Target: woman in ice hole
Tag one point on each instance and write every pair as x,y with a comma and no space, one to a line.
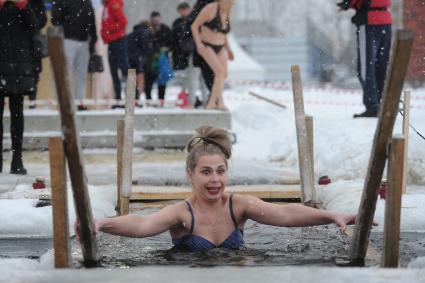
209,31
212,218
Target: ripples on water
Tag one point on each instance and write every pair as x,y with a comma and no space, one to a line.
264,246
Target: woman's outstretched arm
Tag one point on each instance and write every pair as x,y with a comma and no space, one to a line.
291,215
138,226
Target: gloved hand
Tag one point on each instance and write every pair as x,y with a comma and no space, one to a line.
344,5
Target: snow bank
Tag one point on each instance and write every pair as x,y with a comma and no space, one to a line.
342,145
20,217
344,196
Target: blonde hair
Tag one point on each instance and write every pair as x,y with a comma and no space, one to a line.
208,140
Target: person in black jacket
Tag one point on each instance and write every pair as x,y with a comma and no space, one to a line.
138,48
18,25
40,13
78,21
160,39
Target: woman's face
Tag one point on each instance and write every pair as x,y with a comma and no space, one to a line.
209,178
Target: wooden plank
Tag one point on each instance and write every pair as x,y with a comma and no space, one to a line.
120,143
304,158
61,243
391,251
387,115
260,191
267,100
406,122
127,158
72,146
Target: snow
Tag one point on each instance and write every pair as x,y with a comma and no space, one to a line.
20,217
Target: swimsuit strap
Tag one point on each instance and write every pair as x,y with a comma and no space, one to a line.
192,225
232,214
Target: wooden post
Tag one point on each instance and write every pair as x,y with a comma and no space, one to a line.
310,137
128,143
306,174
72,146
406,122
387,115
391,252
59,203
120,142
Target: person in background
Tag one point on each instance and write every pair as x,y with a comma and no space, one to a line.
18,25
160,41
210,217
207,80
113,27
183,47
209,31
138,48
77,18
40,13
373,21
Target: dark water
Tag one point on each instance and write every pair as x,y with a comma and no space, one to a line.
264,246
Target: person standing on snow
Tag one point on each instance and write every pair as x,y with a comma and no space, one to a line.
78,21
209,31
373,21
18,25
138,48
160,41
114,23
183,47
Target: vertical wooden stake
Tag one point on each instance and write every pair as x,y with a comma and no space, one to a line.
406,121
59,203
304,152
310,137
391,253
120,143
387,116
127,158
72,146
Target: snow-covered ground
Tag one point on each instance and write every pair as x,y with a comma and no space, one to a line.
266,133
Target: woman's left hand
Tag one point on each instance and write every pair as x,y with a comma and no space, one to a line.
344,219
230,55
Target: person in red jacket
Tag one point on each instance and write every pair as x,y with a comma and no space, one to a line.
373,20
113,27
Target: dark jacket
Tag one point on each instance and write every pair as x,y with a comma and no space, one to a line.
40,14
17,28
138,46
157,40
183,44
77,18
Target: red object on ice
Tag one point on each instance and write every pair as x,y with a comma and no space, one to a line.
324,180
39,184
383,190
183,100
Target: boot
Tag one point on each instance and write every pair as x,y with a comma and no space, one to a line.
17,167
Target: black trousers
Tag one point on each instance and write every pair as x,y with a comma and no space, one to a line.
150,78
16,107
374,44
207,73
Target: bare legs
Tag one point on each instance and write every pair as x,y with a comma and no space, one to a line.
218,63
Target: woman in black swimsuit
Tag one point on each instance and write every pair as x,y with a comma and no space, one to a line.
209,31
